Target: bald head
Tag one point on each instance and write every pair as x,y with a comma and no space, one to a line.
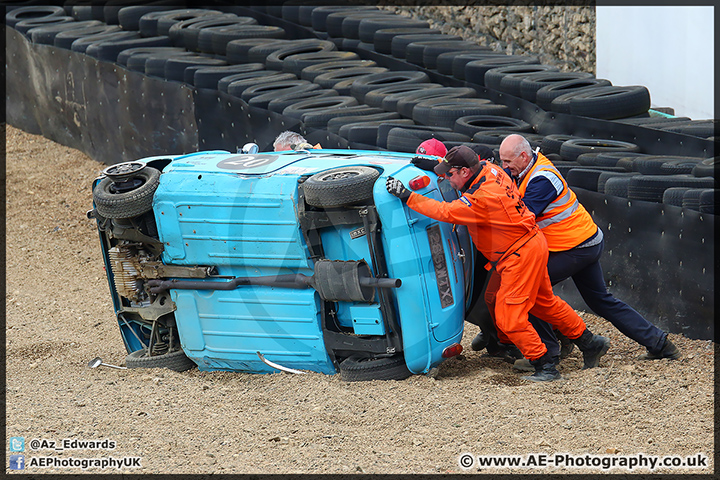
515,153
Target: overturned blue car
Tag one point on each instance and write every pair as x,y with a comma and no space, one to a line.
296,261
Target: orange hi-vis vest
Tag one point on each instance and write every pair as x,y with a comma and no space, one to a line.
564,222
497,219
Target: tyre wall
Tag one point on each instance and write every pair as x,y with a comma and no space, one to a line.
659,258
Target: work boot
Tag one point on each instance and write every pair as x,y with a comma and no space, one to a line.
545,370
479,342
566,345
524,365
508,353
593,347
668,350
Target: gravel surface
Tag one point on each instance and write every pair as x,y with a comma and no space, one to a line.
59,316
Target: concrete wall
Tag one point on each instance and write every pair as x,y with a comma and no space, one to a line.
670,50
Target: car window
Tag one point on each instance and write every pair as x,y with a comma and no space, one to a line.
448,192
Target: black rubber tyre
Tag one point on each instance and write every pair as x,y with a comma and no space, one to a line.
414,50
274,61
471,124
362,132
154,63
374,98
651,187
176,361
185,33
340,186
618,186
129,17
399,43
382,39
674,196
611,102
175,67
279,103
475,70
21,14
545,97
296,63
433,52
404,139
351,24
313,71
461,58
46,35
26,25
444,112
113,204
507,79
605,159
707,201
165,22
256,96
320,118
664,165
66,38
335,124
333,78
404,104
319,15
297,110
208,77
496,136
81,44
369,26
532,83
372,82
357,368
691,198
587,178
603,178
334,21
573,148
706,168
697,128
552,143
109,50
237,51
238,85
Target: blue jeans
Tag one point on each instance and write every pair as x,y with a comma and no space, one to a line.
583,265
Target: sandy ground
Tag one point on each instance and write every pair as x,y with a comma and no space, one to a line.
59,316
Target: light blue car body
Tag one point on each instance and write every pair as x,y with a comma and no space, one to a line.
239,213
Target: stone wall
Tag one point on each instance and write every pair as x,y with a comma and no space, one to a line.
558,35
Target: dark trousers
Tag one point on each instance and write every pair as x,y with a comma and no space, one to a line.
477,312
583,265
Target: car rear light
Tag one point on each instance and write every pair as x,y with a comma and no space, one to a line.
452,350
419,182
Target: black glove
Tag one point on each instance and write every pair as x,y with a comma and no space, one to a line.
423,163
395,187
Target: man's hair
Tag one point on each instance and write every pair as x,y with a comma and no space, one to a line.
289,138
522,145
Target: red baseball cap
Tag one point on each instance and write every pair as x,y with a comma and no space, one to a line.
432,146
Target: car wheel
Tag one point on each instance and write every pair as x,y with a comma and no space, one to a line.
340,186
128,198
357,368
176,360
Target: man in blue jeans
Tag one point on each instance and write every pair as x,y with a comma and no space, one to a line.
575,243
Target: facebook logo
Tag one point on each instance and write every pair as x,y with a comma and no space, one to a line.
17,462
17,444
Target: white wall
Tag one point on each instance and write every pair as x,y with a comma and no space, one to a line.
669,49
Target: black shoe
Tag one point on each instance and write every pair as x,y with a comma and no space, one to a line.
508,353
479,342
593,347
566,345
545,370
668,350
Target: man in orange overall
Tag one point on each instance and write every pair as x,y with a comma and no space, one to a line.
504,230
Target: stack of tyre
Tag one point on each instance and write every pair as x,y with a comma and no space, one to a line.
326,83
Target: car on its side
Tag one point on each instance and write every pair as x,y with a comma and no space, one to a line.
295,261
